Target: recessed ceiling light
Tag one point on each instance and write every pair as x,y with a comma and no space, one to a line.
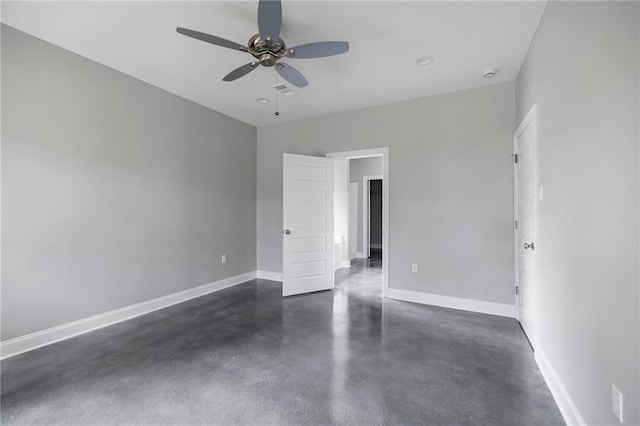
489,73
262,100
424,61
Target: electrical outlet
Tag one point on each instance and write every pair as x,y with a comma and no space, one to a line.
223,259
414,267
617,403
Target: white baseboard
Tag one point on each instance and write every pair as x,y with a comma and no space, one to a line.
360,255
567,407
472,305
271,276
46,337
345,264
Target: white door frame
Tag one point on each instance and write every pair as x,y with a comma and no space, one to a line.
531,119
366,228
384,153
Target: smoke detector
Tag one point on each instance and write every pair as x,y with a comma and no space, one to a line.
489,73
422,62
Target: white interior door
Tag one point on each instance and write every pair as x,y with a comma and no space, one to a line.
527,188
353,219
307,237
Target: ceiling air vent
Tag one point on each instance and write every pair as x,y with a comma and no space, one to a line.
284,90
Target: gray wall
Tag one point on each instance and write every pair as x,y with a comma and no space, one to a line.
358,168
451,196
113,191
582,71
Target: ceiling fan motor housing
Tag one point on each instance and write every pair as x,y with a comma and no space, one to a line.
267,60
266,51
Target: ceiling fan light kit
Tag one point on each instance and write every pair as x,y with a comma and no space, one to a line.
268,48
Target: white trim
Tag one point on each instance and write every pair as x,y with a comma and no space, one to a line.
360,255
366,228
46,337
568,408
386,231
271,276
363,153
516,237
366,191
352,219
472,305
345,264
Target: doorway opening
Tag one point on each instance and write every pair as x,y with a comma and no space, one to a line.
361,223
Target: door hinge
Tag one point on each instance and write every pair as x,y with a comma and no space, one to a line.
515,224
517,290
515,158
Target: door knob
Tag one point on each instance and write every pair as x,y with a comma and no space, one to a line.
287,231
529,246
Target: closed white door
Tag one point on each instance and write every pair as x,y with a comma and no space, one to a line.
307,237
527,189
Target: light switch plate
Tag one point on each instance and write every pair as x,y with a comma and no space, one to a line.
617,403
223,259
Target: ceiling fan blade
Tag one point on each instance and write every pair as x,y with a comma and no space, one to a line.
318,49
291,74
269,19
241,71
212,39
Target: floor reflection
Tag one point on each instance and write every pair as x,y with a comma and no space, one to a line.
356,310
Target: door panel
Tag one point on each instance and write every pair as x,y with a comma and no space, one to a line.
527,229
308,216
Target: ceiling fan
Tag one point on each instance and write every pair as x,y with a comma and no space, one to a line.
268,48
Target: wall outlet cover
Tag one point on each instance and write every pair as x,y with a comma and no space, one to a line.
223,259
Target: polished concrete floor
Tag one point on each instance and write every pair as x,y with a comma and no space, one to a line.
245,355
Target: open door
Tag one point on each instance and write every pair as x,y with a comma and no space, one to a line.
307,237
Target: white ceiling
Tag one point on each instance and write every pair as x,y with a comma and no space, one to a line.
386,38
